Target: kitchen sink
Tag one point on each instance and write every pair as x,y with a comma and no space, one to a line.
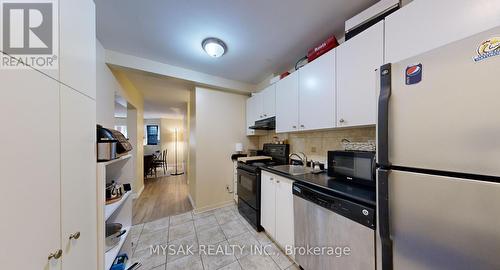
292,169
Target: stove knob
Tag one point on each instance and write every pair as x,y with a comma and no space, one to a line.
365,212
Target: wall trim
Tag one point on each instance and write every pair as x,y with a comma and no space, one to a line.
137,194
213,206
129,61
191,201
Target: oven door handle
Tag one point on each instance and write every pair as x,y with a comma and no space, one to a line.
243,171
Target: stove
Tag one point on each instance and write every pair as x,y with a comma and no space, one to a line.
255,166
249,180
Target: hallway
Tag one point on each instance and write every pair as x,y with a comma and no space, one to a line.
162,197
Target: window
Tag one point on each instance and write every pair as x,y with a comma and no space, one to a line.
152,134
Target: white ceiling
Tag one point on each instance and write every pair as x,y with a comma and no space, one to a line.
263,36
164,97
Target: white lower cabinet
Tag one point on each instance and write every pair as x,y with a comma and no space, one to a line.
268,203
284,213
277,209
235,181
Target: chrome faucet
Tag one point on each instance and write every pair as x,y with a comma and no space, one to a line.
303,159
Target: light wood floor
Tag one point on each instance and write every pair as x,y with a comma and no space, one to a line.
162,197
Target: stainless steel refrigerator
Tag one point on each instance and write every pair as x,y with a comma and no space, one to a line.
438,136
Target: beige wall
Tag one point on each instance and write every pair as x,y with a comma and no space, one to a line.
191,160
135,100
219,124
106,85
316,144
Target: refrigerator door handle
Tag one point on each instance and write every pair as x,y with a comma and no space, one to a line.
383,116
383,218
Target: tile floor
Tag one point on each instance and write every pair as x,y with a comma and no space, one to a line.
220,229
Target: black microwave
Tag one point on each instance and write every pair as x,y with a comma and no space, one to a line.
352,166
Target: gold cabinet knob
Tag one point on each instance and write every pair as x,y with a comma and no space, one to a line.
74,236
55,255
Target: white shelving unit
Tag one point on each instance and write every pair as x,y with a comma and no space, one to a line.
111,254
124,157
120,171
110,209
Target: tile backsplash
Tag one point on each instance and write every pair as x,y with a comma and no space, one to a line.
316,144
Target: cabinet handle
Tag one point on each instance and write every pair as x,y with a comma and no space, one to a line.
294,126
301,125
341,120
278,181
265,115
272,179
74,236
55,255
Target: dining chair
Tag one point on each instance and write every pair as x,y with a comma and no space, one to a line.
161,162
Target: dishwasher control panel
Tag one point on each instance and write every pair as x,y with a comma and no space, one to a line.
350,209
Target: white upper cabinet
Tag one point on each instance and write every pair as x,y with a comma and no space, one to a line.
77,61
78,191
287,103
254,105
357,60
317,93
260,106
30,171
268,102
424,25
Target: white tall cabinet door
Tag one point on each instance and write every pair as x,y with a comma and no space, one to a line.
268,203
78,45
78,185
284,214
317,93
356,78
269,101
29,171
287,103
427,24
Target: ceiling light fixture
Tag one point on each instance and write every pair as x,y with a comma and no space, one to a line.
214,47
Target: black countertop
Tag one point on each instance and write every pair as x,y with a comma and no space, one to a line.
365,195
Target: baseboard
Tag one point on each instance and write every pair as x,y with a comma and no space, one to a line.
191,201
137,194
213,206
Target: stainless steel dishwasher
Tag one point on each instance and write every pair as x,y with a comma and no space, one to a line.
342,227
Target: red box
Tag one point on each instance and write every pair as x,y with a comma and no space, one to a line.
321,49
